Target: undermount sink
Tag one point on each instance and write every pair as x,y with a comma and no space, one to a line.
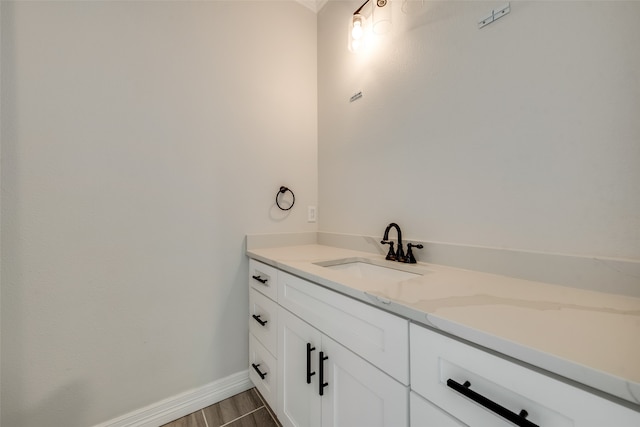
364,269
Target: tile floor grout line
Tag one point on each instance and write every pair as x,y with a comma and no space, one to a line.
206,424
260,397
241,416
268,408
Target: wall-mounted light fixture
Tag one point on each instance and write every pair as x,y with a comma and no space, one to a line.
366,22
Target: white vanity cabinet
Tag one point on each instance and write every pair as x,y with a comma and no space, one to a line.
481,389
323,359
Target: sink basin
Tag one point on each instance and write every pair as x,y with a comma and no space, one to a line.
362,269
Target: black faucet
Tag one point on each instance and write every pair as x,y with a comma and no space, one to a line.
399,255
393,256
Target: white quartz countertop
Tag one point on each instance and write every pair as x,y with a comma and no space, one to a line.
589,337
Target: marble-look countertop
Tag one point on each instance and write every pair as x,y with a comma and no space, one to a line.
588,337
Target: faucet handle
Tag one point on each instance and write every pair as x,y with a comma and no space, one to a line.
410,258
391,255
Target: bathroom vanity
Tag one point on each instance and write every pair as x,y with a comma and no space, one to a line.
342,337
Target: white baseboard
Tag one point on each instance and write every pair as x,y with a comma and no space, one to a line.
182,404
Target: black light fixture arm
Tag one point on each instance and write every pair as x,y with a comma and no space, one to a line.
379,3
360,8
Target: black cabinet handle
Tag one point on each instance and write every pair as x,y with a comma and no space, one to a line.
518,419
262,374
309,373
321,383
262,322
260,279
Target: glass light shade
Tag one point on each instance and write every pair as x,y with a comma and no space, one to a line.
357,32
357,26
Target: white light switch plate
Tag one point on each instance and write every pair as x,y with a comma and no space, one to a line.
312,214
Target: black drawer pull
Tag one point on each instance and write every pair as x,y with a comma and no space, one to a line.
262,375
260,279
321,383
262,322
309,373
518,419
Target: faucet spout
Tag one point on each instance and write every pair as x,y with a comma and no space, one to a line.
399,255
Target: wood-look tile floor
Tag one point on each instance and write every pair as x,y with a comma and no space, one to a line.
246,409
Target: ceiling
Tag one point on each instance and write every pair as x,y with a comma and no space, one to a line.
314,5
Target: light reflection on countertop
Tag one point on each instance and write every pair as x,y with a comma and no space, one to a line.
589,337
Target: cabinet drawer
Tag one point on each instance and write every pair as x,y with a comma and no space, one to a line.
263,321
377,336
263,278
438,361
426,414
262,370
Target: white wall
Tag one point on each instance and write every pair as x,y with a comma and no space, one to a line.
521,135
0,219
141,141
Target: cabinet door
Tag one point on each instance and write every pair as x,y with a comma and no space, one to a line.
358,394
298,402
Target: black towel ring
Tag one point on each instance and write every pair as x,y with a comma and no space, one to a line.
282,191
